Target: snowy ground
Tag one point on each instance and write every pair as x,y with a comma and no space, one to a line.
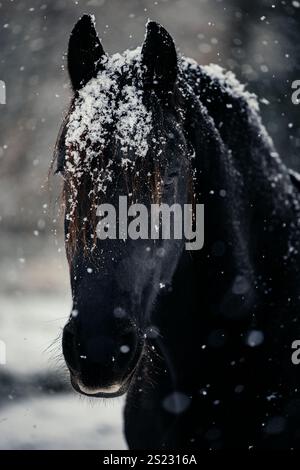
60,422
38,410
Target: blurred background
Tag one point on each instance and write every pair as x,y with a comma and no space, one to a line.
258,40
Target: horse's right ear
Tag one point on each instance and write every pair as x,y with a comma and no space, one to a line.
159,57
84,52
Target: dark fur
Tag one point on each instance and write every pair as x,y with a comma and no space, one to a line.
236,395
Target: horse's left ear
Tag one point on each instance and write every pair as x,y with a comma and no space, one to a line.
84,52
159,57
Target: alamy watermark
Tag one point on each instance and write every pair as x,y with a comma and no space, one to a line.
160,221
2,353
296,93
2,92
296,354
295,357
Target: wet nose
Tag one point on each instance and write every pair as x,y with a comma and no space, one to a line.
100,360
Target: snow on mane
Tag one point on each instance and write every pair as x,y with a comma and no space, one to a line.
226,79
230,83
233,87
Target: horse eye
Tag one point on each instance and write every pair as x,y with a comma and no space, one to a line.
170,179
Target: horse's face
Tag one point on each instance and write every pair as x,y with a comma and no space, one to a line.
115,282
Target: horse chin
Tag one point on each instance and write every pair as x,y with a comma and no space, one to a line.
111,391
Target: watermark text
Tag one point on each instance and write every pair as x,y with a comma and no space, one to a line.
2,92
159,221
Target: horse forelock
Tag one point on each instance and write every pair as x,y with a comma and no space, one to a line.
107,116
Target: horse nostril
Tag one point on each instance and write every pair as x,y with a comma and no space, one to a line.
128,343
129,350
68,345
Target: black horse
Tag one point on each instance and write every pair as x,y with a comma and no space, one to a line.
201,341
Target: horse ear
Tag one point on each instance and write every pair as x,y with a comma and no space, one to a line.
84,52
159,57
